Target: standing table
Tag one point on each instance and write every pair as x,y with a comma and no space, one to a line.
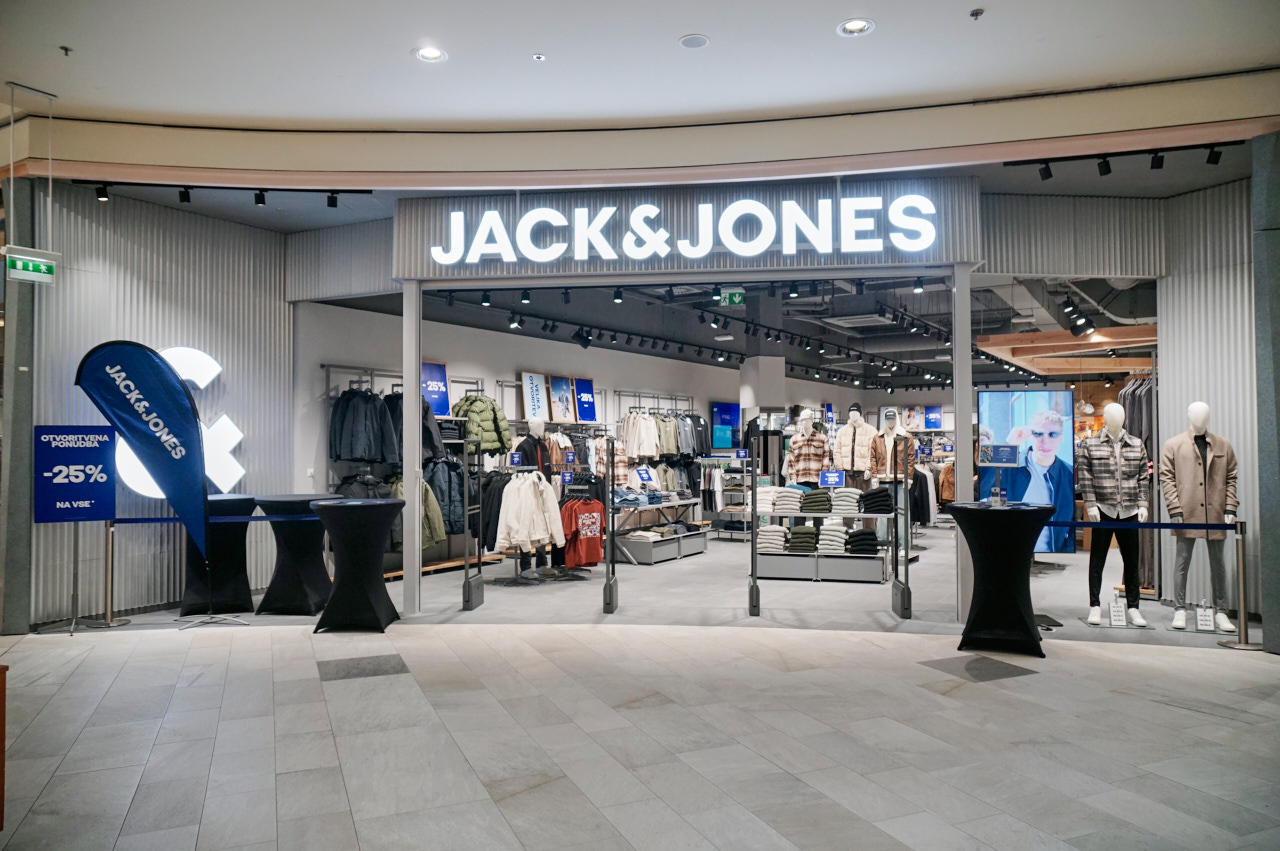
227,565
358,530
1002,541
300,583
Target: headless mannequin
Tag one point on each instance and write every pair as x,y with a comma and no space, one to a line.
1113,419
1198,421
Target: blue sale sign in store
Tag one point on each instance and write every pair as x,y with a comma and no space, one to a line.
435,387
75,474
831,479
584,389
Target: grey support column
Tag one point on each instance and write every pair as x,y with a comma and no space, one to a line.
411,449
1266,295
962,384
763,377
16,470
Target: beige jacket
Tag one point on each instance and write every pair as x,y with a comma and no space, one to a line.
882,463
853,447
1189,492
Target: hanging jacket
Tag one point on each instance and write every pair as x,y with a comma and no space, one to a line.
486,422
530,515
446,478
535,453
433,531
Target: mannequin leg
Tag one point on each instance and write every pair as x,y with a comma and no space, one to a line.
1217,574
1099,547
1181,566
1128,540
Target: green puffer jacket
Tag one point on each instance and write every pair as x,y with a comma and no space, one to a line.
487,422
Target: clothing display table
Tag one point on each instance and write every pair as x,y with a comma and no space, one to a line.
227,567
300,584
358,530
1002,541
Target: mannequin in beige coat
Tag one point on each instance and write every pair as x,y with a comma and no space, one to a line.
1198,479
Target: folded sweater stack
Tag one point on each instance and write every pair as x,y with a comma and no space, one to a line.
765,496
816,502
771,539
861,542
877,501
831,540
845,500
786,501
804,539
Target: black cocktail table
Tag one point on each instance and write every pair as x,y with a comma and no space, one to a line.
226,568
1002,541
358,530
300,583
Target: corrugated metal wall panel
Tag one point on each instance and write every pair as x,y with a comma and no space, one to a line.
339,261
423,222
1206,350
1072,237
162,277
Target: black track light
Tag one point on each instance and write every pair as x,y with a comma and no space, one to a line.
720,357
512,322
1108,382
617,295
702,319
817,374
715,292
680,349
727,322
1069,307
260,198
794,292
546,326
822,348
742,359
584,339
1157,161
889,388
630,339
1045,172
613,338
808,346
654,344
1113,353
893,368
793,340
1215,157
666,345
524,296
484,298
715,321
859,357
919,287
600,336
448,299
755,331
564,296
791,369
1104,167
184,195
555,326
644,341
521,323
699,351
101,193
777,338
333,200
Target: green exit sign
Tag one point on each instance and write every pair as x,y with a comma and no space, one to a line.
733,298
25,264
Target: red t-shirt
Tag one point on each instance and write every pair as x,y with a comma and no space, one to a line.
583,522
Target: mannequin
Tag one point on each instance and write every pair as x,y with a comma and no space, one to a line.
884,447
1112,475
1198,480
809,453
806,424
856,450
537,428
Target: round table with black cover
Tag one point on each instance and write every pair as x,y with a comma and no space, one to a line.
358,530
1002,541
300,583
226,568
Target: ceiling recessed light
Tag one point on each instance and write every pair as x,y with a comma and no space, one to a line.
430,54
694,40
539,57
856,27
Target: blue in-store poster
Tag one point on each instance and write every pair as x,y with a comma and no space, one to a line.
831,416
585,391
435,387
75,474
726,425
933,417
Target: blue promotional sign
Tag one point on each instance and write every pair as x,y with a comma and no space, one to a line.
948,447
584,390
566,477
644,474
570,457
831,479
435,387
740,454
924,451
142,396
515,460
998,455
75,474
726,425
932,417
831,416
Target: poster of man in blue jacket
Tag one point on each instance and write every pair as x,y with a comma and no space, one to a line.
1040,423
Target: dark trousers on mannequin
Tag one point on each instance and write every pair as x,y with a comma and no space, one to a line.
539,560
1098,549
861,481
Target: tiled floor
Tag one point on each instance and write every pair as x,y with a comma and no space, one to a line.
582,736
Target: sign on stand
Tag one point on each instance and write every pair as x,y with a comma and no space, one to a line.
643,474
570,457
1117,612
514,459
740,454
1204,619
566,477
831,479
75,474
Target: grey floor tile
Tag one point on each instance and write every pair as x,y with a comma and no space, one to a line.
245,734
785,752
230,821
305,751
1162,821
384,773
870,800
361,666
1125,839
313,792
187,725
534,711
370,704
978,669
824,825
297,691
653,826
564,742
927,832
301,718
1212,809
749,778
79,811
243,771
605,782
929,793
174,839
121,705
161,806
502,752
550,813
327,832
111,746
459,827
26,778
179,761
1005,833
633,747
682,788
196,697
735,828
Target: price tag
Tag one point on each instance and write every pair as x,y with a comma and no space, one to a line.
644,474
1118,613
516,459
1204,619
740,454
831,479
570,457
566,477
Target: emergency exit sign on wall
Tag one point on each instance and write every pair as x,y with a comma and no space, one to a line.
733,298
27,264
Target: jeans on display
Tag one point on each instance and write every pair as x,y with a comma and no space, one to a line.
1098,550
1217,572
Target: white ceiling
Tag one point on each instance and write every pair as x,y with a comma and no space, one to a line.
323,64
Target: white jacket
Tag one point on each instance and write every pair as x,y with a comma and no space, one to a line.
530,516
853,447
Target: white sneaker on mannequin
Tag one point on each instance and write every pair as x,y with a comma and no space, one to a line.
1136,618
1223,623
1179,619
1095,616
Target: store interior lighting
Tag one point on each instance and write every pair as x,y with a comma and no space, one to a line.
333,200
1157,161
794,292
1045,172
617,295
524,296
101,193
184,195
260,198
1104,167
